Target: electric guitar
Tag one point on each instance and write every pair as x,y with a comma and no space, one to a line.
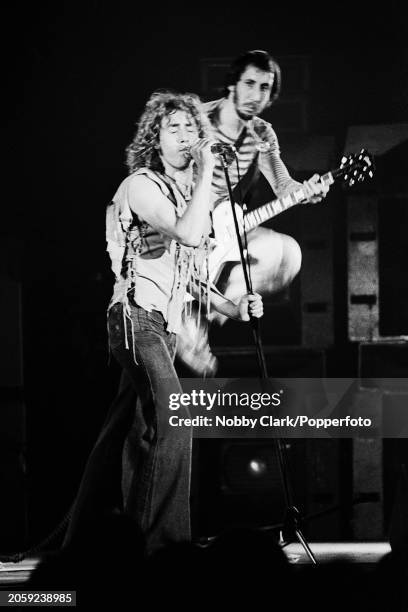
353,168
193,348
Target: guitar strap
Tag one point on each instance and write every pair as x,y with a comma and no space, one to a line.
240,139
241,190
251,176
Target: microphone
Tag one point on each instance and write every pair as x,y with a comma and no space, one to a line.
223,148
220,148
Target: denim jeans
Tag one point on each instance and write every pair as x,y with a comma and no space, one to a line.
140,463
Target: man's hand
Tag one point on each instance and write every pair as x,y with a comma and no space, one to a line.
201,153
314,189
250,303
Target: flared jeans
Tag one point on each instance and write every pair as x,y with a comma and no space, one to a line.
140,464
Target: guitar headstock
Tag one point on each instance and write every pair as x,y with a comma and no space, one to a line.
356,167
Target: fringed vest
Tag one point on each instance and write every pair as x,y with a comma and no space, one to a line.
150,268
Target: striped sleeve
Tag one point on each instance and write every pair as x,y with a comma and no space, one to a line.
271,164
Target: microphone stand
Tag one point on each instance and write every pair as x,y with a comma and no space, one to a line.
291,525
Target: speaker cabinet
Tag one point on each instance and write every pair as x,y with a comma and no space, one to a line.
377,245
383,368
238,483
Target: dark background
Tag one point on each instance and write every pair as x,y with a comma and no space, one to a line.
79,79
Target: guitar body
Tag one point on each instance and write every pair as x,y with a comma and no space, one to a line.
226,244
353,168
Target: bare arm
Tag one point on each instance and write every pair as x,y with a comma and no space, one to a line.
248,303
151,205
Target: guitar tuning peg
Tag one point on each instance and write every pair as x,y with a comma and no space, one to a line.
370,174
360,178
351,182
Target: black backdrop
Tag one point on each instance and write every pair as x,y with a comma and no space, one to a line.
80,75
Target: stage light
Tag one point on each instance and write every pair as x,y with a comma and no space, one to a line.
257,467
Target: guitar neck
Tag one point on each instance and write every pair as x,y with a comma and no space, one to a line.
275,207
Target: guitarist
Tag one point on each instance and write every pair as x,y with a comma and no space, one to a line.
252,85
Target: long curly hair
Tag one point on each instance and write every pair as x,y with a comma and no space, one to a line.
144,149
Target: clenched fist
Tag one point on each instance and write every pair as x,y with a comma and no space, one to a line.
250,304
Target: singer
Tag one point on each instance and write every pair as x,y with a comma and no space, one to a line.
157,237
252,85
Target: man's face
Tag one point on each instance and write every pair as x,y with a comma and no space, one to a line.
251,93
178,131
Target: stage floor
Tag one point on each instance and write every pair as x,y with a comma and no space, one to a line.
368,553
346,552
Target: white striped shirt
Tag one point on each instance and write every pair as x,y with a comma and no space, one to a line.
269,162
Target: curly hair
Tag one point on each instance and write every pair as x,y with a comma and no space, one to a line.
143,151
